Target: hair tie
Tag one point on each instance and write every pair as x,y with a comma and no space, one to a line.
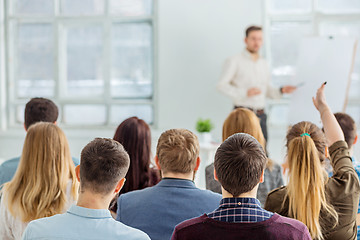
305,134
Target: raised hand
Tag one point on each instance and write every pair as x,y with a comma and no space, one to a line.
320,100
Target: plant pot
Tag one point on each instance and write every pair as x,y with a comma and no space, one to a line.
205,137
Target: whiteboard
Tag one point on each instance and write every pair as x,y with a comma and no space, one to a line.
321,59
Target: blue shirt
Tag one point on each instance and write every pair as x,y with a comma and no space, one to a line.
81,223
237,210
157,210
8,169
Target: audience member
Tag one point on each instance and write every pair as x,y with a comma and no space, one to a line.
349,129
36,110
157,210
44,184
104,163
239,166
134,134
242,120
327,206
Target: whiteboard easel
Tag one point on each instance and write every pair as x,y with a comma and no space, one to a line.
322,59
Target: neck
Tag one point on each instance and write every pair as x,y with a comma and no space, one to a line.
254,54
92,200
251,194
187,176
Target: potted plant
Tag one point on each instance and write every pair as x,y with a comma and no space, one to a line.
204,127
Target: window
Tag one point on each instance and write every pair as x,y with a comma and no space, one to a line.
94,58
289,20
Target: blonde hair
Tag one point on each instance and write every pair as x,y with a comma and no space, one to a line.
242,120
38,188
177,151
306,188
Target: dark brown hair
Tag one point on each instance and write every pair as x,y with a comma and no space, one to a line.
103,163
239,163
177,151
40,110
251,29
348,127
134,134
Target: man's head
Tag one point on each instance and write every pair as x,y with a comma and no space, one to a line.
40,110
253,39
348,127
239,164
177,151
104,163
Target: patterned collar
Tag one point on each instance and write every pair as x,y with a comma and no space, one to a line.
240,210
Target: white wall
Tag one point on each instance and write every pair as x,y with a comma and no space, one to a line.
194,38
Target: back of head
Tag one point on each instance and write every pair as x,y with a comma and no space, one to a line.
177,151
40,110
348,126
134,134
239,162
38,188
104,162
242,120
306,188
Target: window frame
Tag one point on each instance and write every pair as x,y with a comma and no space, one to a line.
8,88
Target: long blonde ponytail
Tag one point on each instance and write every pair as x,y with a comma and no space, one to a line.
306,187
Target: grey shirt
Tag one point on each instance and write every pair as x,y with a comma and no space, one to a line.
272,179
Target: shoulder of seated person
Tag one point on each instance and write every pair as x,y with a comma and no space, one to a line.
209,169
10,162
278,190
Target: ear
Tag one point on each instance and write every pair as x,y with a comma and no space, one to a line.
157,162
77,172
215,176
25,128
245,40
55,122
355,140
120,185
197,164
262,176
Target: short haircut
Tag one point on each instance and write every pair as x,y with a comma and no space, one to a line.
177,151
103,163
40,110
239,163
348,127
251,29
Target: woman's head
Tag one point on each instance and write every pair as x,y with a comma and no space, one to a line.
134,134
306,188
242,120
317,136
45,167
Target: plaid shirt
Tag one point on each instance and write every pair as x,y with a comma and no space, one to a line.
238,210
